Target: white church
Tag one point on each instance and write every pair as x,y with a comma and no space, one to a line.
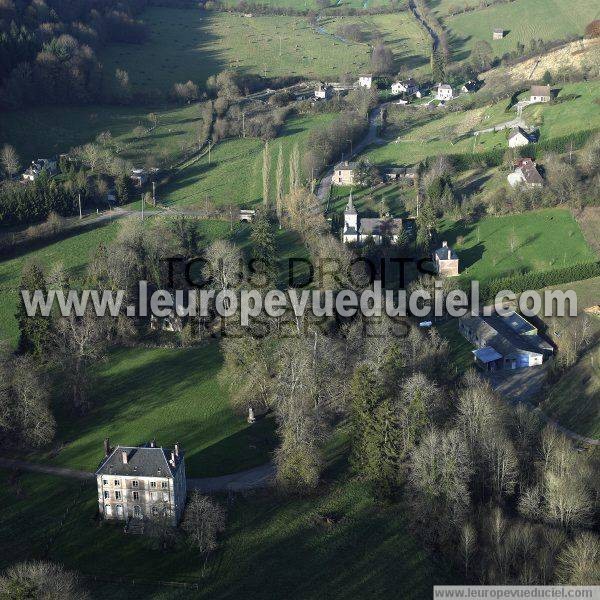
360,230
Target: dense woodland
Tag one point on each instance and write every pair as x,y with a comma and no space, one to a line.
48,49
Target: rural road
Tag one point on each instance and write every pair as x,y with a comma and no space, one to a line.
324,186
517,387
250,479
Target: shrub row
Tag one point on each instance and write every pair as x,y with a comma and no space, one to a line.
536,280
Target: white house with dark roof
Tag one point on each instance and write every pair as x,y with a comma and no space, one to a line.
540,93
141,483
343,173
408,87
518,137
504,341
444,92
525,174
365,81
359,230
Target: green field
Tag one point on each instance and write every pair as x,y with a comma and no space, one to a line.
234,173
168,394
574,401
193,44
273,547
524,20
545,239
407,143
73,252
48,130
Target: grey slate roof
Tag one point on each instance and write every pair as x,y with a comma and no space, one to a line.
142,461
442,253
496,332
540,90
376,226
517,131
345,166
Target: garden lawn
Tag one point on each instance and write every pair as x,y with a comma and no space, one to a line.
273,547
522,21
574,401
49,130
234,173
171,394
544,240
461,355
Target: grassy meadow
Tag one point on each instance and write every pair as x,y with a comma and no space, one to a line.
194,44
545,239
48,130
168,394
405,143
522,20
234,172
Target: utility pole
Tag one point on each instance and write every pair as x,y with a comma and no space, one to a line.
154,193
280,45
209,148
142,206
351,152
79,199
243,124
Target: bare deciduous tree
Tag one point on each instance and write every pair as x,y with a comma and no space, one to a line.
10,160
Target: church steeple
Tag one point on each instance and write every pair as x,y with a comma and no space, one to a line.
350,206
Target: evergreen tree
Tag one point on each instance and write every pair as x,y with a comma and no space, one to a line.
123,189
263,247
34,330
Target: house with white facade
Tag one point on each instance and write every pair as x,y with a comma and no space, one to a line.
518,137
540,93
444,92
49,166
365,81
446,261
359,230
525,174
323,91
408,87
343,173
141,483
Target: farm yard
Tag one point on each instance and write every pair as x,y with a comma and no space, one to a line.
193,44
522,20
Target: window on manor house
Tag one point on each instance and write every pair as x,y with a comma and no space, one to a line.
135,483
117,482
105,482
136,495
153,484
117,495
106,495
164,484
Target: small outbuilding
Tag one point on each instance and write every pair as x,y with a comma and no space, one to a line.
498,34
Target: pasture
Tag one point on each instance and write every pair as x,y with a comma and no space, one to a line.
48,130
541,240
194,44
234,173
523,20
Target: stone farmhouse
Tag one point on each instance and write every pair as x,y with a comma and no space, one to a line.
323,91
446,261
504,342
518,137
39,166
497,34
525,174
141,483
365,81
408,87
360,230
540,93
444,92
343,173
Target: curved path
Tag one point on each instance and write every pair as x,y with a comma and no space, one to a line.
250,479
